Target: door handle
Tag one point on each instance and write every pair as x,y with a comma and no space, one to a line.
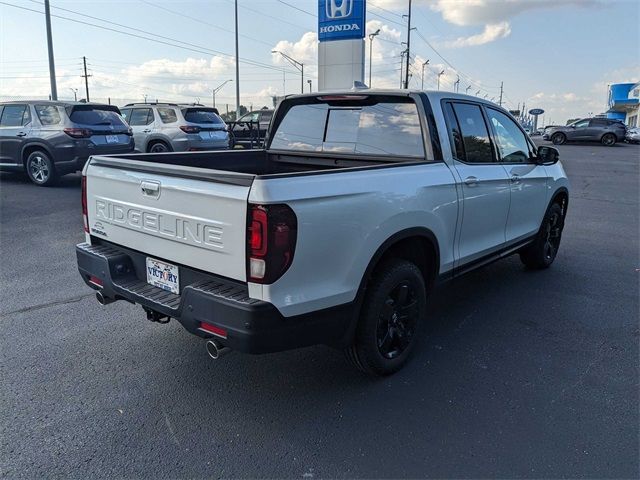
21,134
471,181
146,131
515,178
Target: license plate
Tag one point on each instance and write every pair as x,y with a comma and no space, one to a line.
163,275
112,139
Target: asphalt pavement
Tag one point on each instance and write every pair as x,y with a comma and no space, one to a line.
524,374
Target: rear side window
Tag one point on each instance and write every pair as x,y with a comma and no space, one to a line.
15,116
475,136
167,115
94,116
455,137
48,114
195,115
140,116
384,128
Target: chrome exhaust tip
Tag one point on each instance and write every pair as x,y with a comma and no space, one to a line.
102,300
216,350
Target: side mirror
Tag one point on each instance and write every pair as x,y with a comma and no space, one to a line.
548,155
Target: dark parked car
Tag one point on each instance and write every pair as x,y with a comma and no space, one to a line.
603,130
47,139
251,128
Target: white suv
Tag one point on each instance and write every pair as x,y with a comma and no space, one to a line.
171,127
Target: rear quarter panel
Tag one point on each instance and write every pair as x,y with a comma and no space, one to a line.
344,217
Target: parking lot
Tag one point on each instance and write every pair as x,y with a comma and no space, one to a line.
525,373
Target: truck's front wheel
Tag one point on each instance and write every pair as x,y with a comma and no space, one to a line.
393,309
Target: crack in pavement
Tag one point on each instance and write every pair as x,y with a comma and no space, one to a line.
48,304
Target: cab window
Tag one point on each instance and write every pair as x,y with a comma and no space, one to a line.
475,135
511,141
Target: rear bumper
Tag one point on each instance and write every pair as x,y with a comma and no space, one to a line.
252,326
72,157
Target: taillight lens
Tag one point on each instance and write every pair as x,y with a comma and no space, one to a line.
190,129
78,132
271,241
85,215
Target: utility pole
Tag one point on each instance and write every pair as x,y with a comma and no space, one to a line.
406,74
402,65
371,37
424,64
237,68
501,85
52,66
295,63
439,75
86,77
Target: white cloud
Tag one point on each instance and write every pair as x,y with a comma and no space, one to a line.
491,33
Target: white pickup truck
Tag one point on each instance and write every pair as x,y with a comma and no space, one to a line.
333,234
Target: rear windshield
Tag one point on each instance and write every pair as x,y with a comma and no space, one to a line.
95,116
388,127
195,115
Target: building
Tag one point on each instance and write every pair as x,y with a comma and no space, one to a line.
624,103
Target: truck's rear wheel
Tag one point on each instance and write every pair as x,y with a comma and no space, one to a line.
393,309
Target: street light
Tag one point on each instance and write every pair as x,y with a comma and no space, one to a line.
477,93
310,86
467,90
424,64
295,63
439,75
75,93
217,89
371,37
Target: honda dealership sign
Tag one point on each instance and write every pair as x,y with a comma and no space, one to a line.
341,19
341,32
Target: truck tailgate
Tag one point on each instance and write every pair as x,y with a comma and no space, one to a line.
182,215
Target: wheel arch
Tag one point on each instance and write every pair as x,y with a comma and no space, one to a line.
32,147
157,139
418,245
560,196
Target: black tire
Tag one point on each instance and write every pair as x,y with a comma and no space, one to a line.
392,313
40,169
608,140
543,251
158,146
559,138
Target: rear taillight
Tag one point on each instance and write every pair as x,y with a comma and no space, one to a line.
85,216
271,241
78,132
190,129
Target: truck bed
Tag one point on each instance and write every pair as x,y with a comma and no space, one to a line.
254,162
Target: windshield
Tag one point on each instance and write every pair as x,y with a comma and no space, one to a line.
202,116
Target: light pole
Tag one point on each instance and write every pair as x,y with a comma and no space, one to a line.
424,64
456,85
439,75
75,93
371,37
295,63
477,93
310,85
217,89
467,90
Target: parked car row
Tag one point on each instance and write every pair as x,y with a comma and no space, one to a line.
47,139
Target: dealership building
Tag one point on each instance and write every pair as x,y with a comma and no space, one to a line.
624,103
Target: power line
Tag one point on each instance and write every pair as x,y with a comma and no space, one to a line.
194,48
296,8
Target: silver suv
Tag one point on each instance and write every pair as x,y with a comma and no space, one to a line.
47,139
604,130
172,127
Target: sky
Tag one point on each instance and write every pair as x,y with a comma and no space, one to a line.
558,55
